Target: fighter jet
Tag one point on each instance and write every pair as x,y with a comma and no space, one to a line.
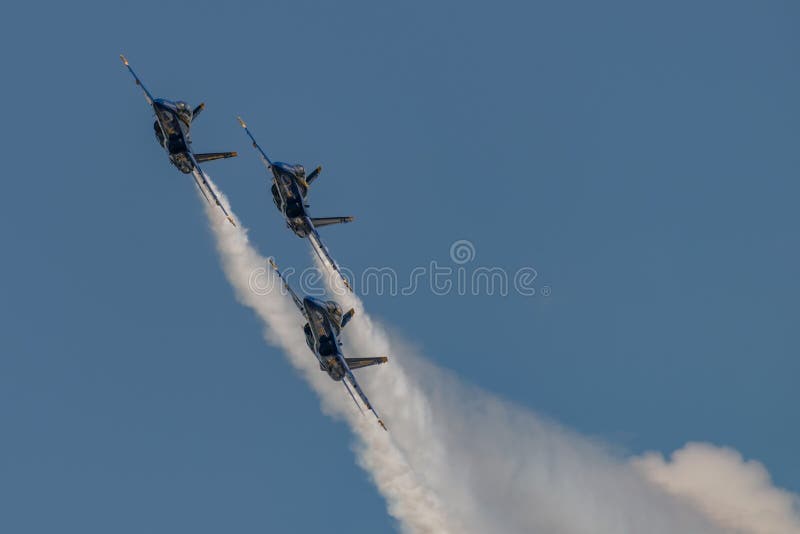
324,323
172,125
289,190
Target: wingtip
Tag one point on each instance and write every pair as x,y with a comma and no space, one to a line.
124,59
244,125
273,264
380,422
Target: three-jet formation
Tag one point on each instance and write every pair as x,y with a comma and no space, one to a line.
324,324
172,125
290,187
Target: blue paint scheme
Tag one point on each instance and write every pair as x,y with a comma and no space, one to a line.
322,335
289,189
172,128
324,324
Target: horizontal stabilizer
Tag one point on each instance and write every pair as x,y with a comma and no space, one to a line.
206,189
327,221
358,363
211,156
324,254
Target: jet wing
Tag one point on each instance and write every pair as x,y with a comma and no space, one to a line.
263,155
295,298
360,392
147,95
205,188
323,253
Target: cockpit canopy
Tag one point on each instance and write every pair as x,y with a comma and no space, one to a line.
184,110
291,168
334,309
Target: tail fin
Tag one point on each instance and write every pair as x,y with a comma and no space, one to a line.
314,175
358,363
347,316
210,156
327,221
196,111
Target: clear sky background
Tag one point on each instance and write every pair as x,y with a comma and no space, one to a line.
642,158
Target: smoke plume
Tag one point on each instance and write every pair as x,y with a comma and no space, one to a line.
457,459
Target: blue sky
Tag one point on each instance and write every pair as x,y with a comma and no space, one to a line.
641,158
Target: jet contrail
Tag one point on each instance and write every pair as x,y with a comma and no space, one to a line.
457,459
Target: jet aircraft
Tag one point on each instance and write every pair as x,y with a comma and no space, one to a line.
289,190
324,324
172,125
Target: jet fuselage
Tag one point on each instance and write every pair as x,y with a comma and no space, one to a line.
322,335
289,193
172,125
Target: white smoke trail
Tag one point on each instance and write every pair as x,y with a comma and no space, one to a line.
412,504
456,459
738,494
501,469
